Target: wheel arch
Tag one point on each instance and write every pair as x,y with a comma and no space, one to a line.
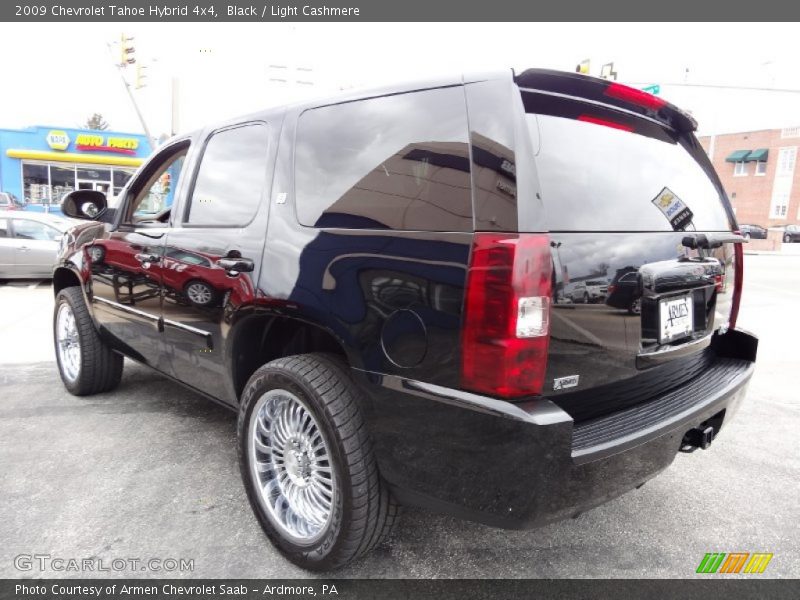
259,338
64,277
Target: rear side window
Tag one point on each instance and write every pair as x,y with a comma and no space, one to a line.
25,229
231,178
597,178
395,162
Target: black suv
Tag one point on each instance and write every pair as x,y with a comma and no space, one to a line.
377,287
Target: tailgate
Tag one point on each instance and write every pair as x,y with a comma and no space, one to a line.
642,242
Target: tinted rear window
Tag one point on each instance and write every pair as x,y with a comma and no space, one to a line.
395,162
596,178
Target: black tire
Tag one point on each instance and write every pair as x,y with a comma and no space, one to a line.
787,239
635,307
212,293
100,367
363,512
586,298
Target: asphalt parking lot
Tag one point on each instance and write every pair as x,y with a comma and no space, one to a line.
150,471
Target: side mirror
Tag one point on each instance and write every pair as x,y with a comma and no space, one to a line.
84,204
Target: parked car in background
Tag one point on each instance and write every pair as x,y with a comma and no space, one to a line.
29,243
185,276
755,232
791,234
9,201
624,291
585,292
579,293
597,289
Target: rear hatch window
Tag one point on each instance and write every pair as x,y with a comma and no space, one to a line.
596,177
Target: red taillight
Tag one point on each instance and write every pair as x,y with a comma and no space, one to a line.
738,257
605,122
507,314
634,96
611,289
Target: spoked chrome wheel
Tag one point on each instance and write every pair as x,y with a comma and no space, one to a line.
199,293
291,466
68,343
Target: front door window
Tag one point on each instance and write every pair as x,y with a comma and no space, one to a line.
154,199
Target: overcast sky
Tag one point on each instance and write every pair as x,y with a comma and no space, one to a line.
59,74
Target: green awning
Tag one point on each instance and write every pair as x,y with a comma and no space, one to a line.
757,155
738,156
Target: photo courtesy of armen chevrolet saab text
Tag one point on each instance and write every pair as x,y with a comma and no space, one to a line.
509,298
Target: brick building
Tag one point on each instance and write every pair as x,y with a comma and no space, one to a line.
758,171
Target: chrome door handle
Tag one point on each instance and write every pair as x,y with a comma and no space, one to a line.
238,265
23,248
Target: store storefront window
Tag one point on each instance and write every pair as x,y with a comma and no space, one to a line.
62,181
94,179
47,183
36,183
94,175
121,177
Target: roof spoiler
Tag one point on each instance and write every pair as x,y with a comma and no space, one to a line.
608,94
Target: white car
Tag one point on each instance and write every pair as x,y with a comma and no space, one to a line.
28,243
597,290
593,290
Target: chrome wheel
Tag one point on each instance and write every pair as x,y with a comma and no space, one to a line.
68,343
291,466
199,293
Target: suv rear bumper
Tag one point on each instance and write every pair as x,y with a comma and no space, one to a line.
527,464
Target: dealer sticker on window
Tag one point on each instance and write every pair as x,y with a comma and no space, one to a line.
675,210
677,318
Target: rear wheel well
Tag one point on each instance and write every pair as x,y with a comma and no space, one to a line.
64,278
262,339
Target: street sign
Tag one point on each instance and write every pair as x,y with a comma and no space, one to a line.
654,89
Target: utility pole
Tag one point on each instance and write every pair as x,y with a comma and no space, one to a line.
175,105
127,57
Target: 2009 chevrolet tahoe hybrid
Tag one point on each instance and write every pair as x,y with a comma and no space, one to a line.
377,285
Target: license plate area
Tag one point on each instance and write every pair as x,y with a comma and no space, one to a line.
675,317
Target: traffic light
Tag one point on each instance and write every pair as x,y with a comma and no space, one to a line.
140,76
126,51
166,183
583,67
